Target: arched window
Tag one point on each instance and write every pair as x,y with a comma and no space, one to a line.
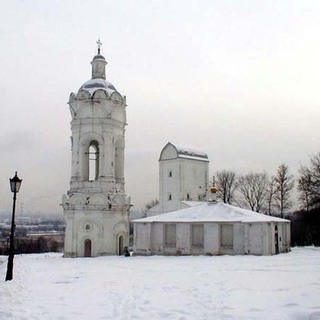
93,160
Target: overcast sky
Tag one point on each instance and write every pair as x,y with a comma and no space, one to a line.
238,79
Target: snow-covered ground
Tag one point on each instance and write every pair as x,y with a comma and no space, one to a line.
47,286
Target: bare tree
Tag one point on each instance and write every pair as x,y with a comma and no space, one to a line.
252,188
149,205
309,183
226,184
270,194
305,194
284,182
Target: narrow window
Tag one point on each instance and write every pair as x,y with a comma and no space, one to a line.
188,196
170,234
170,173
93,161
197,235
170,197
71,138
227,235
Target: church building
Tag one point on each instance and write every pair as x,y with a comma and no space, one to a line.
183,178
190,221
96,207
211,228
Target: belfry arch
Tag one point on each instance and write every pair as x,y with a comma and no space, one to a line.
93,160
87,159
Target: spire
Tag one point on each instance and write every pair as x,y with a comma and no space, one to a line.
98,64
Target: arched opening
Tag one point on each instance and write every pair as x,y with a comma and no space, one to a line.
120,245
93,160
87,248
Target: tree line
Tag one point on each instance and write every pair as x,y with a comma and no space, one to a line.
273,196
256,191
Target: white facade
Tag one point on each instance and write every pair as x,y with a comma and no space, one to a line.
95,207
183,176
211,228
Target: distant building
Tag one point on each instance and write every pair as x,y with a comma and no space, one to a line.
183,178
96,207
211,228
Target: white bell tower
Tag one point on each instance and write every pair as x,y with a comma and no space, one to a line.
95,207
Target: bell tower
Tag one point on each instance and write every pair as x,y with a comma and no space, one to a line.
96,207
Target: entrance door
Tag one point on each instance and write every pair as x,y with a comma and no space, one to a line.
87,248
276,239
120,245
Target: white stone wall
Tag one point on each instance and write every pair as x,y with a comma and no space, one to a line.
180,179
142,238
248,238
95,226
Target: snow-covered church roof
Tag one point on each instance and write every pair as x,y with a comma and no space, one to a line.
212,212
171,151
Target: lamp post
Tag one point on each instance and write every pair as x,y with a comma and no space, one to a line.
15,184
8,241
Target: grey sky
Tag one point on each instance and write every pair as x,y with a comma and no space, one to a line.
238,79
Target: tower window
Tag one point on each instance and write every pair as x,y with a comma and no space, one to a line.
93,160
170,173
188,196
170,197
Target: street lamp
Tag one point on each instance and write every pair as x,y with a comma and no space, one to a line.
8,241
15,184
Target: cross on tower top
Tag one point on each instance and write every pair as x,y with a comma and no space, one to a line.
99,43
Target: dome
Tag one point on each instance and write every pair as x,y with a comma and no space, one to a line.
98,57
95,84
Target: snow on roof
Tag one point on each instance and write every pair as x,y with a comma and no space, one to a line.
212,212
190,152
94,84
192,203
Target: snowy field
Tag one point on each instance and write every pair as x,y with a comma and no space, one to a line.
46,286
